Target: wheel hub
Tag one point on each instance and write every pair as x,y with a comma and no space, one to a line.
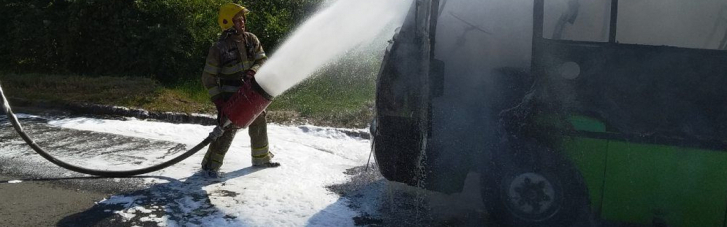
531,194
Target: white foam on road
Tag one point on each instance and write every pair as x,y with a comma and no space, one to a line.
294,194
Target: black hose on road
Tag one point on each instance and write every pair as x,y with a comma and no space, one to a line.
103,173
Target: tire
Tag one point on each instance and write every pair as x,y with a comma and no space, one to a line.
526,185
396,149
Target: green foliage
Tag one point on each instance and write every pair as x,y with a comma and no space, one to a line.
164,39
193,90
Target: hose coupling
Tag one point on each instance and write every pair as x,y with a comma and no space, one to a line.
216,133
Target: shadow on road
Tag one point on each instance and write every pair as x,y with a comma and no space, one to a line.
184,202
379,202
51,179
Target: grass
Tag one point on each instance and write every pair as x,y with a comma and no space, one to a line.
134,92
331,100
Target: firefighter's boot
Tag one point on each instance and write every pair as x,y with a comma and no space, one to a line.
261,155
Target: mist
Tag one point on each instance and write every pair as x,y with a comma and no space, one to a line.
473,39
497,34
336,29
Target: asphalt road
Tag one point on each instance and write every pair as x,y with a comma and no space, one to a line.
34,192
42,203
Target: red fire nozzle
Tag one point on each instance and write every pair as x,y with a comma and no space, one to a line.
245,105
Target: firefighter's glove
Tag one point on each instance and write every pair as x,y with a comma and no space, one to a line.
249,75
219,103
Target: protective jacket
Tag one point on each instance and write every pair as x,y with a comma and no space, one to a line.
227,63
228,60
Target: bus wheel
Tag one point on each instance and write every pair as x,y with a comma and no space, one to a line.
527,185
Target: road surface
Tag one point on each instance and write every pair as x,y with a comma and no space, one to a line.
323,180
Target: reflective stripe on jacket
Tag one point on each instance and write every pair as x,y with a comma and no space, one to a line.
228,59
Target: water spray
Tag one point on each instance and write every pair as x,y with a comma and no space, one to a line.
329,34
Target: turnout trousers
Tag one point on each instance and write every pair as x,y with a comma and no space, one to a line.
260,151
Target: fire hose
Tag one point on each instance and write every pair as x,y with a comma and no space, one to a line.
240,111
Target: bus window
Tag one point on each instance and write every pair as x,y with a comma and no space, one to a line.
679,23
576,20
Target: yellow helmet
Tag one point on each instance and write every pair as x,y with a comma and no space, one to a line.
227,12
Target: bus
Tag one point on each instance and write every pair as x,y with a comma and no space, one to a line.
570,111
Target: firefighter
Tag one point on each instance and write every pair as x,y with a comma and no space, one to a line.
231,61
